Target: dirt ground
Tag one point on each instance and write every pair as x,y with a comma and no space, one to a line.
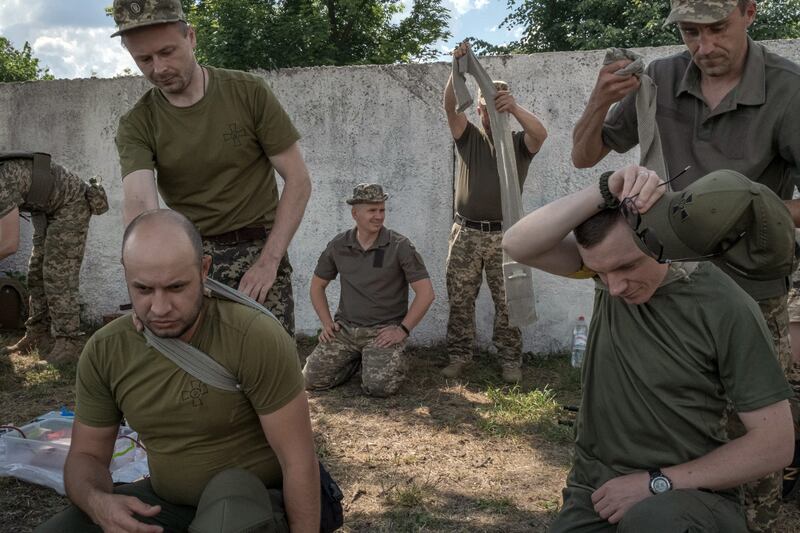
470,455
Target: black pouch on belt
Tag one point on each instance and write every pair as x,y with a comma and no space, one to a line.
332,517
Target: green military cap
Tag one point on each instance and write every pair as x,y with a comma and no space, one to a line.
234,500
700,11
367,193
722,216
130,14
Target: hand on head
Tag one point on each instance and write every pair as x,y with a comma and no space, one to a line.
642,185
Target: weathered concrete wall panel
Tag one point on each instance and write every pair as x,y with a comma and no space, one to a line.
376,123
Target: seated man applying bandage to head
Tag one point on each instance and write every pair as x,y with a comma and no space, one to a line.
672,340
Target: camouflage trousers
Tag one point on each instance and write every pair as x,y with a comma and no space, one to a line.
762,497
332,363
59,240
230,261
470,253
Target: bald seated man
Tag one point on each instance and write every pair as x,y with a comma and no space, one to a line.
209,450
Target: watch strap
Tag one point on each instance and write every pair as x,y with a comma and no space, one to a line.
609,202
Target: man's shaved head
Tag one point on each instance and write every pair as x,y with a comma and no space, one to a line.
162,254
161,227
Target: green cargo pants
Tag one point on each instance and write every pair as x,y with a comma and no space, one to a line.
234,501
684,511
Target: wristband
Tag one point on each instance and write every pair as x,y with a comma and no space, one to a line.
609,201
401,326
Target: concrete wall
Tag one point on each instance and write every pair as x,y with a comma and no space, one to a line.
375,123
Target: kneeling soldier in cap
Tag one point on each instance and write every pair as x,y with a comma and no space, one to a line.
60,204
373,320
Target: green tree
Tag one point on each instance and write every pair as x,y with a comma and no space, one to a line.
290,33
20,65
553,25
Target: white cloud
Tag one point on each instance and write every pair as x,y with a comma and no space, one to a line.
81,52
480,4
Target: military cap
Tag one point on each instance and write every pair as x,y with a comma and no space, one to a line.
499,85
724,217
367,193
700,11
130,14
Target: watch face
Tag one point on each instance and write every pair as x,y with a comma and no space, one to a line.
660,484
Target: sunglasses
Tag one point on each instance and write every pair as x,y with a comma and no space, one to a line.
650,239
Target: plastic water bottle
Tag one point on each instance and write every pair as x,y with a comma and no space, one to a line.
579,334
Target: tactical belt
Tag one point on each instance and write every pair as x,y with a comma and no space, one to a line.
254,233
42,179
482,225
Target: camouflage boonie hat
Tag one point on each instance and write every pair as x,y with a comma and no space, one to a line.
367,193
699,11
130,14
499,85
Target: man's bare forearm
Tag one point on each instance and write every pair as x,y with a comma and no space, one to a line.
588,148
319,301
449,97
532,127
86,478
289,215
423,298
757,453
540,238
301,493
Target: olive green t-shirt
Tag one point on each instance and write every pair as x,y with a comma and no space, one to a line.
477,194
755,130
193,431
15,183
657,376
212,158
374,282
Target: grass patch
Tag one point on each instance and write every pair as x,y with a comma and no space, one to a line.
499,504
513,412
410,494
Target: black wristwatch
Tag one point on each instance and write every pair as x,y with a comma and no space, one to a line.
609,201
659,483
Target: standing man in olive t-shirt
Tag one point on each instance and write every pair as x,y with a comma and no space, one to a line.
208,450
670,344
474,246
214,139
376,266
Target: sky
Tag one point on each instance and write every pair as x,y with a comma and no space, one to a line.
71,37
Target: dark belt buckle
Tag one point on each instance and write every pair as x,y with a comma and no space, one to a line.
486,226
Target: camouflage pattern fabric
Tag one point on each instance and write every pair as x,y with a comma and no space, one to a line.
15,182
332,363
229,262
700,11
130,14
367,193
471,252
59,239
54,270
762,497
